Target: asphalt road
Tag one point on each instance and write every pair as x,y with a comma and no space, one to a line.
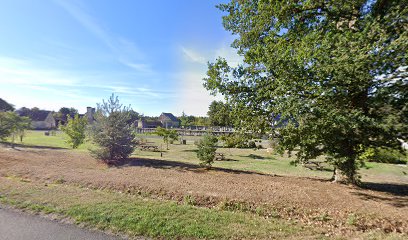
22,226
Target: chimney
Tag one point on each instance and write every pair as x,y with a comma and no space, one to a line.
90,111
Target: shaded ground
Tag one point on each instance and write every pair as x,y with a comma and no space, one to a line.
311,201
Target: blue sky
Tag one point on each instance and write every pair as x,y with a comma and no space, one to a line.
74,53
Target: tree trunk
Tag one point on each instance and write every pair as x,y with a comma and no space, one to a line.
337,175
345,171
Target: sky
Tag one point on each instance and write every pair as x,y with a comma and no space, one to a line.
74,53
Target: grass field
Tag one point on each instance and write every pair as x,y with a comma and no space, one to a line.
39,139
239,159
166,195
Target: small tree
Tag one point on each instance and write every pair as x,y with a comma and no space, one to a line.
112,132
167,134
11,124
75,130
5,125
21,124
206,150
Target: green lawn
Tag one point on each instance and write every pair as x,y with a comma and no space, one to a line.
39,139
239,159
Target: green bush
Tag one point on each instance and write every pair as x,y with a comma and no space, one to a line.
206,150
387,155
384,155
75,130
238,140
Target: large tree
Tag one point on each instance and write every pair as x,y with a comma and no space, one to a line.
327,77
5,106
219,114
186,120
64,112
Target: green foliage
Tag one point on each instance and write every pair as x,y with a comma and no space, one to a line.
64,112
75,130
385,155
238,140
352,219
324,77
167,134
112,132
186,121
5,106
202,121
189,200
206,149
11,124
219,114
134,116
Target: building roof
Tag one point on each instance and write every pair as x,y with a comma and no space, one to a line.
39,115
171,117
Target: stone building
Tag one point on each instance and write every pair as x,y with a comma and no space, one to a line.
168,120
40,119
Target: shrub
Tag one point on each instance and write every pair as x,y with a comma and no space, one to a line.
75,130
383,155
238,140
206,150
388,155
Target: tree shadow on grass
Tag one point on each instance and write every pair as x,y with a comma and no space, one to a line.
181,166
254,156
398,193
190,150
19,145
398,189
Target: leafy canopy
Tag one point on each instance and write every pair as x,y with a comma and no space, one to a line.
167,134
5,106
331,74
11,124
219,114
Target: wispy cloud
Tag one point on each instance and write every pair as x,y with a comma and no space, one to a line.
139,67
193,56
124,49
136,91
201,57
195,99
76,87
21,72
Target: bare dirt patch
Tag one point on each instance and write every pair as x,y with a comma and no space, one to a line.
311,201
